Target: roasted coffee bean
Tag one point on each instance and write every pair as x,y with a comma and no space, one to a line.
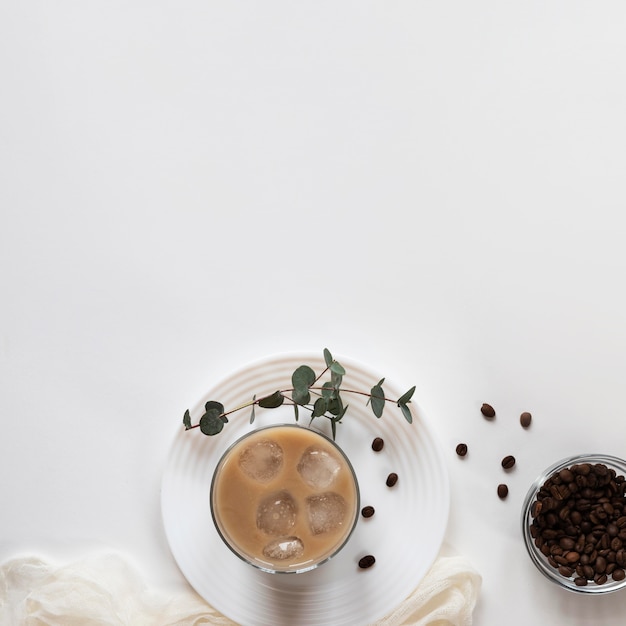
367,561
580,581
581,468
559,492
392,479
576,518
377,444
564,514
552,518
461,449
503,491
508,462
367,511
525,419
618,574
488,411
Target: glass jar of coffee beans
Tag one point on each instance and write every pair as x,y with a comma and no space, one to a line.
574,523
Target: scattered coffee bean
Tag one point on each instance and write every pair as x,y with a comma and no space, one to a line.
576,520
461,449
367,561
392,479
525,419
488,411
367,511
378,444
508,462
503,491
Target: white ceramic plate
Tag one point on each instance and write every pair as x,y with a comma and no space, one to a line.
405,533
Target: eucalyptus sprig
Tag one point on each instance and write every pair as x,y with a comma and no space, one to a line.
320,399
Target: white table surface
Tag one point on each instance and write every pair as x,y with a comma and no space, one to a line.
435,189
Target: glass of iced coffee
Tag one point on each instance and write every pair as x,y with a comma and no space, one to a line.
284,498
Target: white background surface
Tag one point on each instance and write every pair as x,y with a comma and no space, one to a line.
435,189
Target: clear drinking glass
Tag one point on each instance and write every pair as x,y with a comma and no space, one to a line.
284,498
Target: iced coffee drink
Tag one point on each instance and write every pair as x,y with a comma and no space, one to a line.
284,498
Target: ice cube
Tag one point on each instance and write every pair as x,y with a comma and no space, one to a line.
284,548
262,460
276,513
318,468
326,512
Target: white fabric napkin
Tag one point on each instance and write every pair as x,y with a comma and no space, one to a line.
105,590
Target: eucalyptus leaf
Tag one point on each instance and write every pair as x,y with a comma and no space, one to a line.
337,368
328,390
303,377
341,413
336,379
406,397
335,405
252,414
296,412
406,412
187,420
319,408
328,357
273,401
211,404
378,399
211,422
301,395
333,428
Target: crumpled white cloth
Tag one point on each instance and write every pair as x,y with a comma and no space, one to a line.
105,590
